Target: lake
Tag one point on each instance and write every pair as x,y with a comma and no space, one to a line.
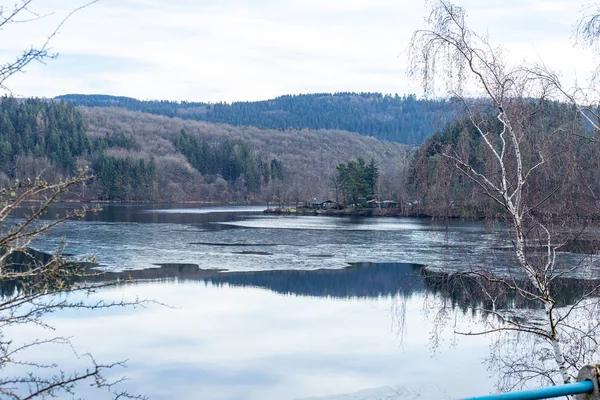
272,307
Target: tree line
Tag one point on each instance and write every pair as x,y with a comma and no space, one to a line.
36,128
50,138
403,119
306,159
126,178
231,159
568,185
40,135
357,181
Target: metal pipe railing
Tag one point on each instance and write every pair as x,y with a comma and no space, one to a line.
583,387
586,388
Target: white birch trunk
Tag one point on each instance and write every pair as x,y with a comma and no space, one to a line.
558,353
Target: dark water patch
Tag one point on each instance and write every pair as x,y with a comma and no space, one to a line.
581,246
255,253
234,244
150,213
361,280
320,255
174,267
470,291
164,271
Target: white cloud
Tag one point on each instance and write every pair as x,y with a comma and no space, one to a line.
236,50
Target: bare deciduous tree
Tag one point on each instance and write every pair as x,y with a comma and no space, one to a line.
506,147
32,284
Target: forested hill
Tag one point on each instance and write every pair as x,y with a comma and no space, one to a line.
137,156
402,119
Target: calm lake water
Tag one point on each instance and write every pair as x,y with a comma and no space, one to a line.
306,307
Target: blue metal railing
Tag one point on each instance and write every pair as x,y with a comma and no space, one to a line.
543,393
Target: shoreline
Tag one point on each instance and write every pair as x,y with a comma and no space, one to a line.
348,212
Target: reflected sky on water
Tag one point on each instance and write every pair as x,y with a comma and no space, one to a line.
307,307
226,342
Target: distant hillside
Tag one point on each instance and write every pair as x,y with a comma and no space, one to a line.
136,156
402,119
308,157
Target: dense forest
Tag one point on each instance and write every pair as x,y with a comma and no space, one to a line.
402,119
137,156
50,138
142,157
357,181
554,132
231,160
38,129
218,162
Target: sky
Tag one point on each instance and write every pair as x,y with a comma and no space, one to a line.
244,50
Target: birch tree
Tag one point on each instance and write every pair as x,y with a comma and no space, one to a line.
501,103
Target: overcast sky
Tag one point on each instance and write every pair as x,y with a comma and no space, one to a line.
229,50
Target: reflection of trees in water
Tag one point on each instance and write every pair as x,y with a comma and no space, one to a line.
492,305
504,309
361,280
468,291
23,262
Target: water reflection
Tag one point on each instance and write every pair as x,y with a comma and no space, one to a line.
151,213
241,342
469,292
242,335
369,280
268,308
364,280
359,280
